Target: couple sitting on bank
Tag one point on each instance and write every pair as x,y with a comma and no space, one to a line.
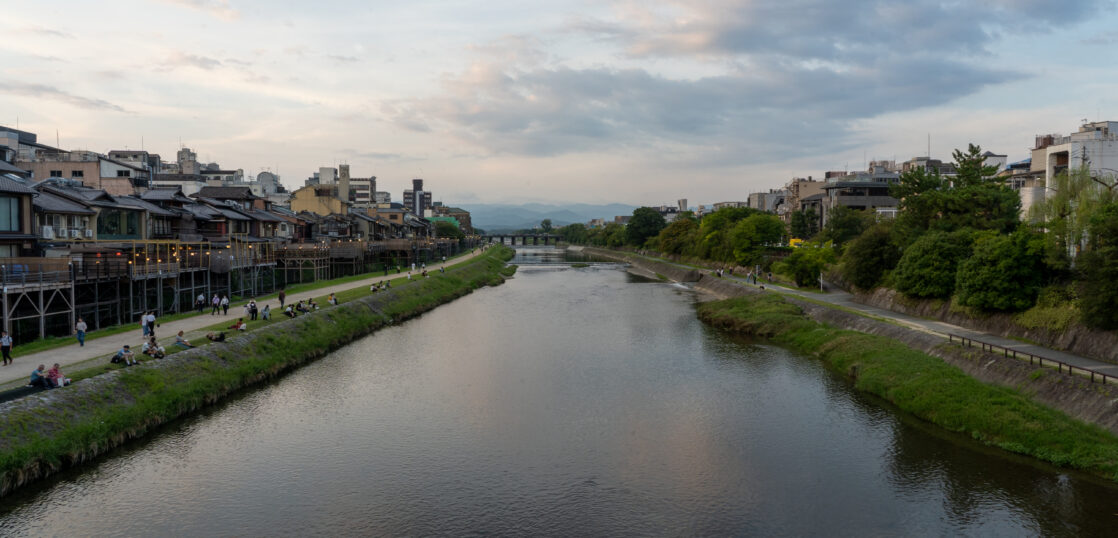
49,379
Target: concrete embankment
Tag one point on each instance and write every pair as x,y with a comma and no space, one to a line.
49,431
1074,395
649,268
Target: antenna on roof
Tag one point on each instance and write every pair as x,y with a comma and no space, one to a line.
929,145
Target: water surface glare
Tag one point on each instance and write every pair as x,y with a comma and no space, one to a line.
575,402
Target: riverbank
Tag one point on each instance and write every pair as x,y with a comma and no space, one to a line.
926,386
50,431
1002,402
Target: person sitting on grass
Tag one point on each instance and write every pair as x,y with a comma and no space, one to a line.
374,288
219,337
55,377
39,377
153,349
126,356
332,300
302,307
239,325
289,311
182,342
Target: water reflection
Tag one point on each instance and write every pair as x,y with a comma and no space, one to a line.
572,402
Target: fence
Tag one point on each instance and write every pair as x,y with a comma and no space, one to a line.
1095,377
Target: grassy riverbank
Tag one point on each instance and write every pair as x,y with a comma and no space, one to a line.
925,386
44,433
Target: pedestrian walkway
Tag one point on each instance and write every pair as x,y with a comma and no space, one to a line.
100,347
846,301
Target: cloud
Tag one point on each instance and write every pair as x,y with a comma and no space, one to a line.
372,154
217,8
42,91
181,59
781,78
42,30
343,59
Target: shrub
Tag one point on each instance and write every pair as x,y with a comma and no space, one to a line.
927,268
869,256
1005,272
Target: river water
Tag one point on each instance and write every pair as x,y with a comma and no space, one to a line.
569,401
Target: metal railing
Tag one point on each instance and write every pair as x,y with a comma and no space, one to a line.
1037,360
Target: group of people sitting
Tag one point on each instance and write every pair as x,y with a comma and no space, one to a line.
48,379
300,307
380,286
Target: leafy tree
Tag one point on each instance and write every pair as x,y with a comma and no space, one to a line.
750,236
714,233
1099,270
447,229
678,235
869,256
1070,202
574,233
845,224
928,267
806,263
645,223
545,226
1005,272
804,224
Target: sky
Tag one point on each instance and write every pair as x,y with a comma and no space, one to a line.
502,101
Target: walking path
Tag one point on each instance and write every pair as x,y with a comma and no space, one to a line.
846,301
106,346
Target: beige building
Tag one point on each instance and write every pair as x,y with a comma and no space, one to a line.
320,200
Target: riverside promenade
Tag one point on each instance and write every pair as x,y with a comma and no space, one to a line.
844,300
192,327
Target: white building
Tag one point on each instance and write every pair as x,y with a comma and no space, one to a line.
1095,147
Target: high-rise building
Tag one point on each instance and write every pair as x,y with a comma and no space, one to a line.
416,199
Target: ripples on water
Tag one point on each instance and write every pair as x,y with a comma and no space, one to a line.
581,402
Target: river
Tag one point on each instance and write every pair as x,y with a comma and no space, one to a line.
569,401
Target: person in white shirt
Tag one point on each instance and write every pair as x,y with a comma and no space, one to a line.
6,347
153,349
79,329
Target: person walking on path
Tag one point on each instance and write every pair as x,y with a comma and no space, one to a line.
144,323
216,304
252,310
282,297
151,323
225,305
200,304
6,347
79,330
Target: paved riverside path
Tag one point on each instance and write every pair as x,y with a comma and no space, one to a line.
108,345
846,300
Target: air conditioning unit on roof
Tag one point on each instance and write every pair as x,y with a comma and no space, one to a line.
47,232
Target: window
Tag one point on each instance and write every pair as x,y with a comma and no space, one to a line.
56,173
77,173
9,214
123,173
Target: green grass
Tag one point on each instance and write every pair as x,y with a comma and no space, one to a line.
927,387
41,439
580,265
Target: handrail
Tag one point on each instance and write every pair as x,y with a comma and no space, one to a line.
1040,361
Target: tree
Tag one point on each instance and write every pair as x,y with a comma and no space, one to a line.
447,229
1070,202
845,224
574,233
1099,270
645,223
1005,272
928,267
806,264
971,168
751,235
869,256
804,224
545,226
714,233
678,235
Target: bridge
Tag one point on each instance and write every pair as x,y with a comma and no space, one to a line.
525,239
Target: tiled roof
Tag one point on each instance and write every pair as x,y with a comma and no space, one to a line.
8,184
141,204
5,166
171,194
52,203
227,193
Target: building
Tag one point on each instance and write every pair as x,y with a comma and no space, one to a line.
319,199
682,203
90,168
796,191
929,165
1094,146
723,205
416,199
860,195
765,201
17,235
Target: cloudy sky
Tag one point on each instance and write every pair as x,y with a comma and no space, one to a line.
512,101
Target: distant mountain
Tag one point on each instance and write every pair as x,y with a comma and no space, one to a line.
508,217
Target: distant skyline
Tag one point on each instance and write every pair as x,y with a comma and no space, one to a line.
597,102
